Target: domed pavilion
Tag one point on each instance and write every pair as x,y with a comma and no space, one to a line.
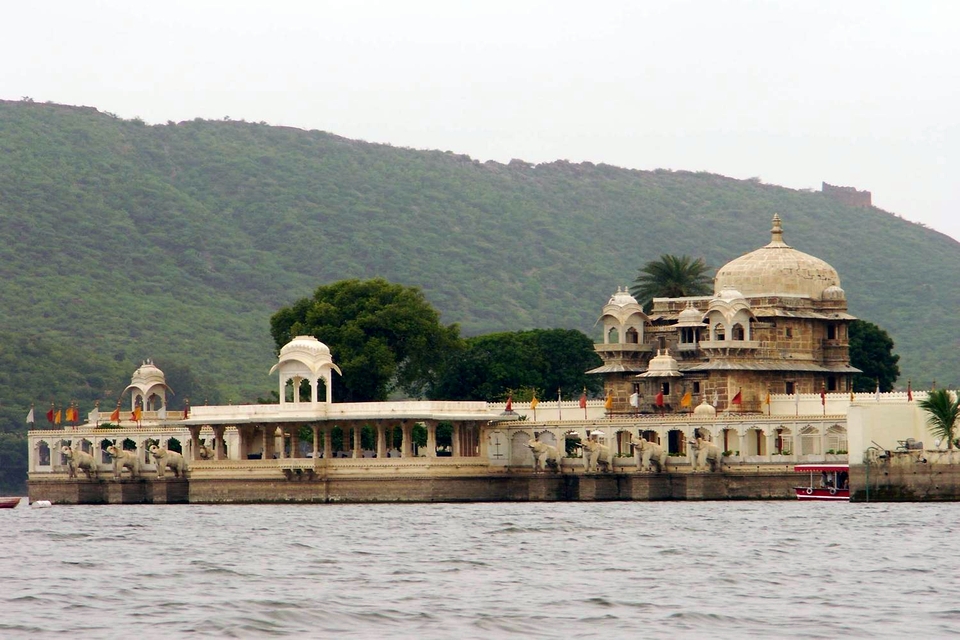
776,323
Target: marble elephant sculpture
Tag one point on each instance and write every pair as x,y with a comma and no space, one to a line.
80,460
205,452
596,455
649,454
165,458
544,455
706,455
124,459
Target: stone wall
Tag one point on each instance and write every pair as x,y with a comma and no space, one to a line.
897,481
847,195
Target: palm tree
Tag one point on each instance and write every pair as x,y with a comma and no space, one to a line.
671,277
944,411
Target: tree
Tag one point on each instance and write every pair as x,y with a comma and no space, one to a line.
671,277
943,410
493,365
383,336
871,351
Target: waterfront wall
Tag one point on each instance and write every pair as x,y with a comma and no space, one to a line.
923,476
507,487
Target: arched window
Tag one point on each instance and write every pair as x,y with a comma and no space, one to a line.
613,336
632,336
737,333
719,332
43,454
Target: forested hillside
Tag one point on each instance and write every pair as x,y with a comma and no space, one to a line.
121,242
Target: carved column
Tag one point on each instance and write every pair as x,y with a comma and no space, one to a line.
357,448
194,442
316,440
431,438
294,441
381,441
327,442
455,440
269,447
219,446
407,447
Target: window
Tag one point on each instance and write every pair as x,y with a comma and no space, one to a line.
831,383
696,387
788,332
831,332
790,388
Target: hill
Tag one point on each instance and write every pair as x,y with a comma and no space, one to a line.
122,241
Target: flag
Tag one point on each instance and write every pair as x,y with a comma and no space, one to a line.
186,408
95,414
608,403
635,400
115,416
878,390
135,416
74,414
30,416
686,400
768,398
58,417
50,415
796,401
162,413
716,399
823,396
509,406
583,400
851,394
737,399
533,405
909,392
659,399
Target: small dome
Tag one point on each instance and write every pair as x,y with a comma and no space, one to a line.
729,292
307,344
662,365
777,269
146,374
690,316
704,409
834,293
622,298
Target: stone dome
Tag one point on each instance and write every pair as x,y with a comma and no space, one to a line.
305,344
704,409
690,316
777,269
834,293
147,374
622,298
663,365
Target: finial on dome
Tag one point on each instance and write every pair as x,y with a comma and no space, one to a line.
776,233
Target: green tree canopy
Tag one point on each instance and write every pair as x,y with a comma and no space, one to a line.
942,413
545,359
871,351
383,336
671,277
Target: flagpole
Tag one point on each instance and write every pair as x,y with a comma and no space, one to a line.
559,410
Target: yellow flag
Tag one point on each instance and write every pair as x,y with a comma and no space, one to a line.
851,396
686,400
534,402
608,403
58,418
768,398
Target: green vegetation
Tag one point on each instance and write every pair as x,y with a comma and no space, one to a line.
382,336
871,351
545,360
943,410
671,277
178,242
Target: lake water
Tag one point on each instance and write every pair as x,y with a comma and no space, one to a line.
533,570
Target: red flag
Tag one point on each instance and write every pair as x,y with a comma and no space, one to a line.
186,409
583,401
115,416
660,398
737,399
823,396
909,392
508,409
50,415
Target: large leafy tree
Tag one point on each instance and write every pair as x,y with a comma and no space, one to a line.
871,351
671,277
942,413
541,359
383,336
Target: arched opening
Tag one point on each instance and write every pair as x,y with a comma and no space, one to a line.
719,333
105,457
737,332
174,445
613,335
445,440
571,445
650,436
520,454
632,336
676,442
755,443
784,441
809,441
623,443
418,435
85,445
154,403
43,454
730,441
128,445
836,440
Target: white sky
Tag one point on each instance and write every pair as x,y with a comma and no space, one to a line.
856,93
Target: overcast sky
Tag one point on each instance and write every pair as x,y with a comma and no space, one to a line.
856,93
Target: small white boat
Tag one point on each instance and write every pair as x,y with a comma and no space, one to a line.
42,504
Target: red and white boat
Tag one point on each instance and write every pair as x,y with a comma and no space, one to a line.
9,503
827,482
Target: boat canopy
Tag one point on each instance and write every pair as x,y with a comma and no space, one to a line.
827,467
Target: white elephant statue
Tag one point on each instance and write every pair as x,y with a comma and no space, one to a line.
544,455
706,455
124,459
80,460
650,453
596,455
205,452
165,458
